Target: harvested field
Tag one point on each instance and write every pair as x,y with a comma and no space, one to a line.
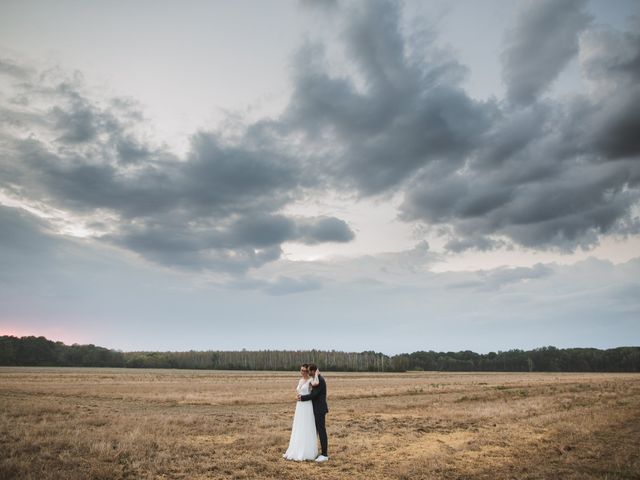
77,423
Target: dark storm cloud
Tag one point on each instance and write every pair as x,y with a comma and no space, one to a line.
486,173
268,230
404,113
540,173
323,229
85,183
214,180
543,41
259,230
215,209
192,248
248,241
510,135
476,242
612,62
77,124
232,178
617,126
567,207
131,150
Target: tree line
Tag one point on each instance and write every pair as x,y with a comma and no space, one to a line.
39,351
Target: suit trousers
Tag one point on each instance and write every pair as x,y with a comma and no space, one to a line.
322,432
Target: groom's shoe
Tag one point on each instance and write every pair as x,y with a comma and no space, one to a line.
321,458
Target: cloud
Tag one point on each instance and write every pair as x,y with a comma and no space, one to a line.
397,113
542,43
571,208
77,125
215,209
323,229
387,118
387,270
14,69
393,120
497,278
611,61
81,287
487,174
557,174
287,286
22,235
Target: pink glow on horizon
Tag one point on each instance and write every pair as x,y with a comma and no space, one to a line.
56,334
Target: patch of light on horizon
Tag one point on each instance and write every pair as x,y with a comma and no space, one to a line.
67,335
61,222
304,253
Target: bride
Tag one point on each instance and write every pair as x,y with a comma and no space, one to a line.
303,444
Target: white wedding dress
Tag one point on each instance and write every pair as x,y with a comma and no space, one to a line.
303,444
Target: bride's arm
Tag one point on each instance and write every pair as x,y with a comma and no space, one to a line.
298,387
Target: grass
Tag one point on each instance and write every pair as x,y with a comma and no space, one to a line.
117,424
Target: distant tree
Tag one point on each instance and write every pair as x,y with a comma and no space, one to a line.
8,347
34,351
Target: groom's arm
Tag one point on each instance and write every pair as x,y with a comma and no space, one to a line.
314,392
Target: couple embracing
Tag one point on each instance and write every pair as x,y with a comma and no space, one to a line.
308,419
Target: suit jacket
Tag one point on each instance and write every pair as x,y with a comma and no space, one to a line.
318,397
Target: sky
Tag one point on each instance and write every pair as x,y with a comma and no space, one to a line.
362,175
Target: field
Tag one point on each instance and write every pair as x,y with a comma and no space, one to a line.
127,423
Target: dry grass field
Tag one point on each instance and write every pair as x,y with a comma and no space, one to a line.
113,423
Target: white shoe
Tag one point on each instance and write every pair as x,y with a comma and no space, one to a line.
321,458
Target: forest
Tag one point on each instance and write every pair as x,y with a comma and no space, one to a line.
39,351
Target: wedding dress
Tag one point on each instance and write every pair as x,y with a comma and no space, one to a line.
303,444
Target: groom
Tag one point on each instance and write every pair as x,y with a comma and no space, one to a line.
318,397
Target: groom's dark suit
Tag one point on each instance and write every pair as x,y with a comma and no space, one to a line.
318,397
